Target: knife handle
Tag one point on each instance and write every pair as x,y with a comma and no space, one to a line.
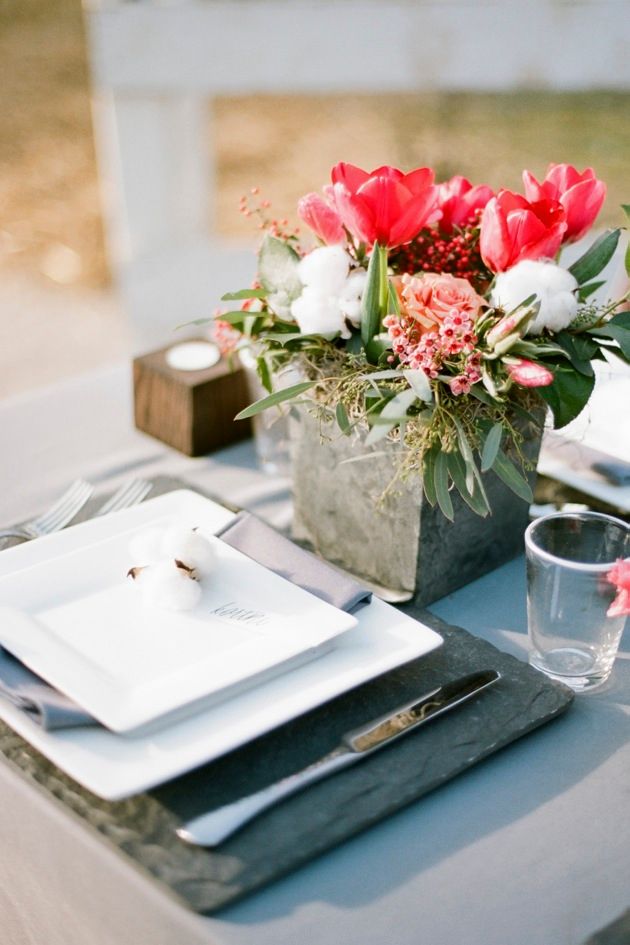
210,830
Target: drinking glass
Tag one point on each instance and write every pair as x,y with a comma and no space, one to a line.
569,557
271,427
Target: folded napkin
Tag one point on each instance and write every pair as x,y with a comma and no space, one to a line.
53,710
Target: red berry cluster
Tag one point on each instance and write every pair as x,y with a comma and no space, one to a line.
277,228
434,251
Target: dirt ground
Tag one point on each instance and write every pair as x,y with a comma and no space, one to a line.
51,234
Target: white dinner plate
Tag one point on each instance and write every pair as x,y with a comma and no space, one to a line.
115,767
77,621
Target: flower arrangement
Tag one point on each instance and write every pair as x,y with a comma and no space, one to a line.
435,315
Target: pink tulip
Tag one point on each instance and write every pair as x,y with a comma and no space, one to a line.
322,219
513,229
528,373
384,206
581,195
459,202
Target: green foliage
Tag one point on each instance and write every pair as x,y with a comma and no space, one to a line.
375,296
618,328
278,397
568,394
491,446
598,255
509,474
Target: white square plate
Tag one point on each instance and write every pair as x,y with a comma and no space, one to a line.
116,767
78,622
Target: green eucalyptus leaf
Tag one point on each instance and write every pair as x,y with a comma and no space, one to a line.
626,209
473,498
428,474
419,382
244,294
491,446
264,373
380,429
568,394
585,291
278,272
195,321
233,318
596,257
342,419
440,476
513,479
400,404
278,397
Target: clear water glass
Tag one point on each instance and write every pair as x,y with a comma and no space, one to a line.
271,427
569,555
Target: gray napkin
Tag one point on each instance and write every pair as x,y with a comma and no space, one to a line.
53,710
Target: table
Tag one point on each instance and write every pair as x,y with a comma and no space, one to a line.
531,847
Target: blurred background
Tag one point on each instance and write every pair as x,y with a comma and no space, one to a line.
131,129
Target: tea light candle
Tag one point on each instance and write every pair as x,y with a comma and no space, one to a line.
193,356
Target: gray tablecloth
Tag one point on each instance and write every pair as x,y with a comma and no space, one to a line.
532,847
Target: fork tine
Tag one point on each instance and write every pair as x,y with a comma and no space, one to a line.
68,497
128,495
65,510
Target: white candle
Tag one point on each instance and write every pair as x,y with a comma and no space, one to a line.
193,356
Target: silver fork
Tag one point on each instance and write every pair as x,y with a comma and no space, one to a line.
131,493
58,515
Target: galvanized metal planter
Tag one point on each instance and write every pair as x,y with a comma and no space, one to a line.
403,547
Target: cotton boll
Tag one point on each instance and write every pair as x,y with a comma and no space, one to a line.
325,269
145,547
168,587
351,296
184,544
553,286
319,314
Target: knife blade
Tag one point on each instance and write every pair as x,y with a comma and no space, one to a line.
213,828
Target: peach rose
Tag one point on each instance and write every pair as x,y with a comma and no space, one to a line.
430,297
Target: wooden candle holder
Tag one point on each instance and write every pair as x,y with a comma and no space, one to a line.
192,411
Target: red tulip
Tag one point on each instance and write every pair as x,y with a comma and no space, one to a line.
512,229
528,373
322,218
581,195
385,206
459,202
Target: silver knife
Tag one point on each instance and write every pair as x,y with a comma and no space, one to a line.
211,829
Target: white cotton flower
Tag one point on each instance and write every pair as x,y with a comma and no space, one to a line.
351,296
319,314
191,547
145,546
168,587
554,287
325,269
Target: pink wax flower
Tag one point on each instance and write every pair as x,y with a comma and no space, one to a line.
322,219
581,196
460,202
384,206
528,373
619,576
513,229
430,297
